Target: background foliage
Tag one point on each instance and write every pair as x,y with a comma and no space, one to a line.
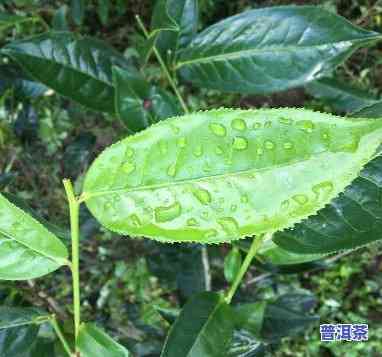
130,285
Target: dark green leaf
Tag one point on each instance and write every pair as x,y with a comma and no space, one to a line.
372,111
103,11
27,249
26,124
250,317
232,264
207,177
77,10
19,316
138,104
176,21
78,68
59,21
170,315
203,328
8,20
17,340
77,154
270,49
244,344
287,317
340,96
186,271
93,341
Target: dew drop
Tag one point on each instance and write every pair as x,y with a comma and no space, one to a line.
233,208
269,145
202,195
192,222
108,205
218,129
129,152
284,205
198,151
256,125
288,145
210,233
175,129
134,220
322,189
240,143
306,125
267,124
182,142
300,199
229,225
165,214
285,121
244,199
325,136
163,148
128,167
219,150
204,214
171,170
259,151
238,124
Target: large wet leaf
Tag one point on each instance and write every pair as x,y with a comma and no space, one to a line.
174,23
75,67
351,220
93,341
270,49
203,328
221,175
27,249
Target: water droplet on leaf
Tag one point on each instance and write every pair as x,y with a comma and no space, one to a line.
218,129
300,199
165,214
202,195
128,167
239,124
240,143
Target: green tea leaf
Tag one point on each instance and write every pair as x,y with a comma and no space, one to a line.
176,21
350,221
27,249
232,264
20,316
75,67
203,328
18,340
271,49
370,111
138,104
221,175
287,316
77,10
93,341
103,9
340,96
250,317
8,20
244,344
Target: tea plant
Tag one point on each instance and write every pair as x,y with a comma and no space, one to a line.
302,183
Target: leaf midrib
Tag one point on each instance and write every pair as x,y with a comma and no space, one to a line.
238,54
65,66
89,195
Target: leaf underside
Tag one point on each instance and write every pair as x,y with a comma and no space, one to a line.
27,249
221,175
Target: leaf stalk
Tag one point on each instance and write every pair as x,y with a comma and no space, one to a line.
74,206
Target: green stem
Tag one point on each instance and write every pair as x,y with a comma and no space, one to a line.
256,243
163,65
60,335
74,206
